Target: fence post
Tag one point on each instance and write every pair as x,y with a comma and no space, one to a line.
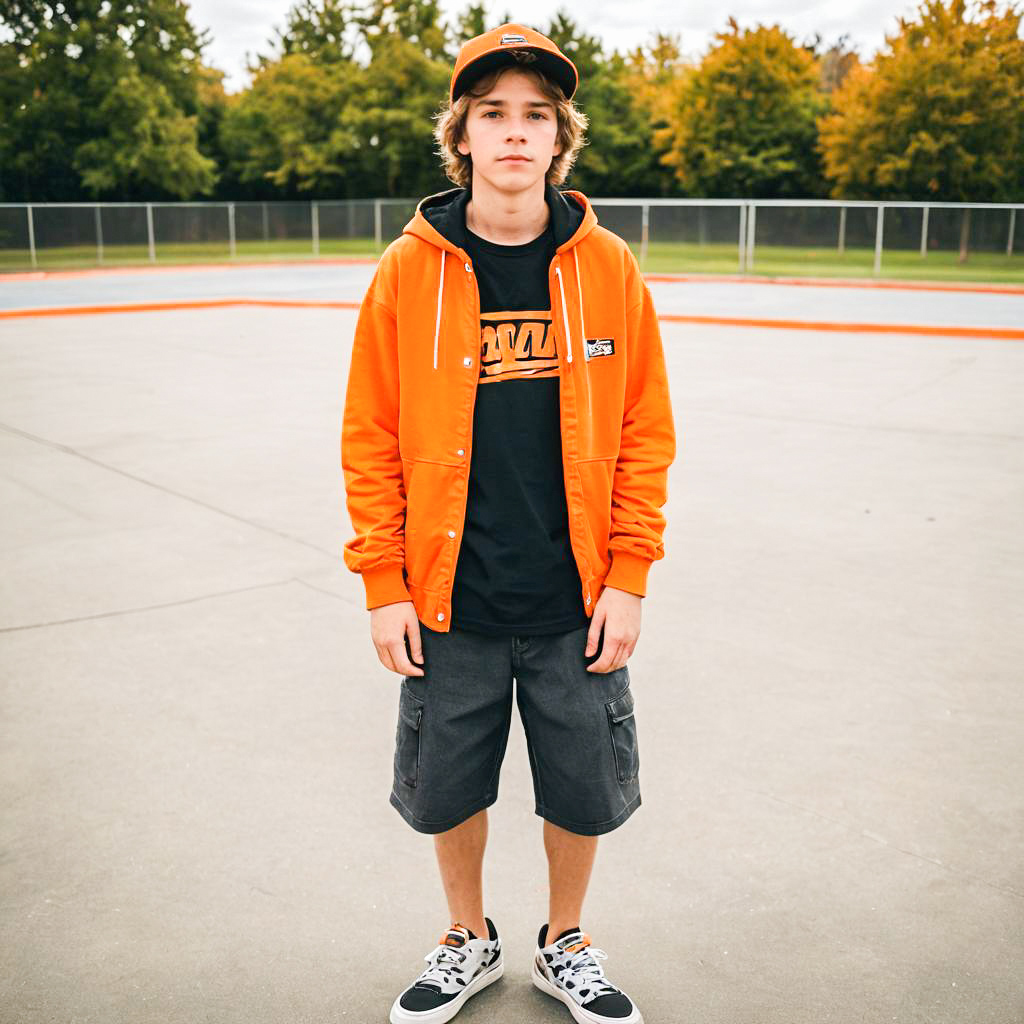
1009,237
842,230
315,217
751,232
644,234
149,230
31,236
743,238
266,224
232,243
924,233
879,220
99,234
378,234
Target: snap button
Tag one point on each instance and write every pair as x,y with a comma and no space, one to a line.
469,269
468,361
461,451
440,616
451,533
588,599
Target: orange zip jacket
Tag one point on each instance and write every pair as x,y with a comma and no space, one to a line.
406,432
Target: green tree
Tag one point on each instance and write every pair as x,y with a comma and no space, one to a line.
939,114
655,75
100,98
394,120
745,120
289,133
617,160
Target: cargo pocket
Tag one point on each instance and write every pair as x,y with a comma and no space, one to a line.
622,724
407,739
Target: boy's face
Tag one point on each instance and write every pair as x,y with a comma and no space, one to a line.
514,120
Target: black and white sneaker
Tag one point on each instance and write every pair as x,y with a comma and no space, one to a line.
460,966
568,970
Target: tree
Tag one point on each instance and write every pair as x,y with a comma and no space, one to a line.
100,97
617,159
745,120
289,132
939,114
655,75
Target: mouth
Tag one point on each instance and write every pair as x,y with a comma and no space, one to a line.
514,159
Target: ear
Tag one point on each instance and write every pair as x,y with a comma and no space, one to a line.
463,148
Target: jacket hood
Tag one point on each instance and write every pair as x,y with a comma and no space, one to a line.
441,220
441,217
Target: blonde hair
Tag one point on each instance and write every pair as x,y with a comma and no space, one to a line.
450,128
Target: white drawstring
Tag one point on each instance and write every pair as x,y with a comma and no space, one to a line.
565,320
565,311
579,286
437,325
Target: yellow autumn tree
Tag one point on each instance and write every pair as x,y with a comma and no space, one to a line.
745,121
938,114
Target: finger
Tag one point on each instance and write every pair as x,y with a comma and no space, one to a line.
611,657
597,621
416,646
401,659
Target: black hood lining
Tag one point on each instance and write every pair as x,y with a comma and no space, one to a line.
446,213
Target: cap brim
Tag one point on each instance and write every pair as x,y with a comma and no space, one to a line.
552,67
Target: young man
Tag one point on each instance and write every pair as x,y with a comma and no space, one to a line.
506,442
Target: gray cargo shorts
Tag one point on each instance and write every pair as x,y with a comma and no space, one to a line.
453,725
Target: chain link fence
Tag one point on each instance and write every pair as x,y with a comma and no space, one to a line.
770,237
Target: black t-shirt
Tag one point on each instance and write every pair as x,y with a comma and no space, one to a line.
516,574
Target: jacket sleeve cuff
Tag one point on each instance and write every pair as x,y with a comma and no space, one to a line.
629,573
385,584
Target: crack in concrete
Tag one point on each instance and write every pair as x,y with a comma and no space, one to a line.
68,450
147,607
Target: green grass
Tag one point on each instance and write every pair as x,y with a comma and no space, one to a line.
662,257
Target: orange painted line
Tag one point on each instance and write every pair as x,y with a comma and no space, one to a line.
156,307
841,282
997,333
177,268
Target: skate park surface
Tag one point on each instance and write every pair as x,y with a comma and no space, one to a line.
198,736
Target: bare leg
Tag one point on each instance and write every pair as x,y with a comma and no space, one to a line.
570,858
460,857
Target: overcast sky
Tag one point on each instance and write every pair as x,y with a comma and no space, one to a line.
241,26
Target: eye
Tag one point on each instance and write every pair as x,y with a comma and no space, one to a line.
542,116
487,113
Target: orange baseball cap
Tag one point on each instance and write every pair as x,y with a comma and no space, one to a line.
491,50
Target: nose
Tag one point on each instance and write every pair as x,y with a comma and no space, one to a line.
516,128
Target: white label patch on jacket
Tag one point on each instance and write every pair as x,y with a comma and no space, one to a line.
511,37
600,347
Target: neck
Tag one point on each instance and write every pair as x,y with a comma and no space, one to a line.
507,218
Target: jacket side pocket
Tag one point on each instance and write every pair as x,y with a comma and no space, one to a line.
622,724
407,736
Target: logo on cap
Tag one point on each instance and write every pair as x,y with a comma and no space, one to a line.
512,37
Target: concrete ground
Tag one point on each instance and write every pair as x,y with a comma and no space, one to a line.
197,735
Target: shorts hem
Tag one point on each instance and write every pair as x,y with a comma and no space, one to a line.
597,829
433,827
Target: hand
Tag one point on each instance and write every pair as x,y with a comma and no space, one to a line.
618,612
389,624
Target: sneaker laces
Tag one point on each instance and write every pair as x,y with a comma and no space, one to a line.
442,961
584,966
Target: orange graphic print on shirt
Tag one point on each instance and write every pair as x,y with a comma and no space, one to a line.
516,344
